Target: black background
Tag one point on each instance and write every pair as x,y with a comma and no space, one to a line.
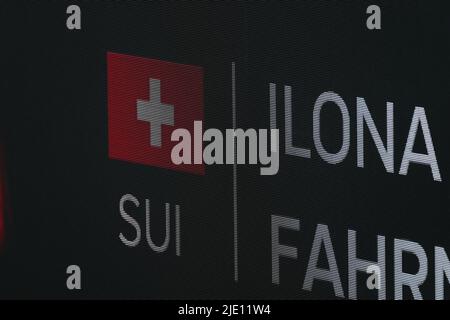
64,191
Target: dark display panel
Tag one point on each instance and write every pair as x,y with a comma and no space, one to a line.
363,162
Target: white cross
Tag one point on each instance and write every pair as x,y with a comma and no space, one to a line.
155,112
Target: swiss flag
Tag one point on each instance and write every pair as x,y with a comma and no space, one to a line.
147,100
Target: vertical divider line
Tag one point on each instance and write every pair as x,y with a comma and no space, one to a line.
235,214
